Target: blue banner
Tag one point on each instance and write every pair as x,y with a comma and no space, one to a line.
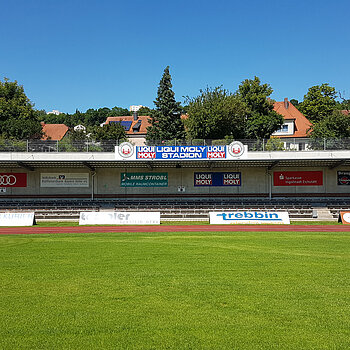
217,179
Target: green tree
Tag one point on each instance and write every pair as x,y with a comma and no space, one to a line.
261,119
113,131
18,119
334,125
274,144
215,114
53,118
294,102
118,112
319,102
94,117
165,120
144,111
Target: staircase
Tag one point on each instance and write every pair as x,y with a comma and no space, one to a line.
323,214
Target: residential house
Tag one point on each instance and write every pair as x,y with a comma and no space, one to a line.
135,127
294,131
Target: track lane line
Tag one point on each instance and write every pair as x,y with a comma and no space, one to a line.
173,228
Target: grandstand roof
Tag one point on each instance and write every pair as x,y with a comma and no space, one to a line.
270,160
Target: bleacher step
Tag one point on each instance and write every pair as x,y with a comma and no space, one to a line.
324,214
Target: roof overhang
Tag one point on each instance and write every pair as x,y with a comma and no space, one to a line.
93,161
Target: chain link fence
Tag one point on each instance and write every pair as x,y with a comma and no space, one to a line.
265,145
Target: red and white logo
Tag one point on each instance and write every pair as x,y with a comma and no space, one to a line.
236,148
126,149
13,180
346,217
344,180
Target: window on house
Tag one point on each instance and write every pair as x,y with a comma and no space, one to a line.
284,128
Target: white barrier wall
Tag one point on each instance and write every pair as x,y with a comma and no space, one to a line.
108,182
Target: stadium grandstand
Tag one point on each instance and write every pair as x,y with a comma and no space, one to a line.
183,181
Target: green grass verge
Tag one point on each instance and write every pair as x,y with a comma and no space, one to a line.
266,290
168,223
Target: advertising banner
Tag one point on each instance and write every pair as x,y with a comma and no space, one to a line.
64,180
119,218
13,180
217,179
127,151
345,217
16,219
298,178
249,217
144,179
343,178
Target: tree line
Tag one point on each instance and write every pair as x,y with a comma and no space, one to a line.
216,113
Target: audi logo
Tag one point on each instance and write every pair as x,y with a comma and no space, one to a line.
8,180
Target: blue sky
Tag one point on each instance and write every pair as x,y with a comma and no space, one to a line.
81,54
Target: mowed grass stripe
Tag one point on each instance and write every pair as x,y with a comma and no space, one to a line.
266,290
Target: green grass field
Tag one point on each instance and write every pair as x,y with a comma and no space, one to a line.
215,290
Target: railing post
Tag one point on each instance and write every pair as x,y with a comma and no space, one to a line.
27,145
324,144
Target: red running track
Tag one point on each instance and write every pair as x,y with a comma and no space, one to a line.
174,228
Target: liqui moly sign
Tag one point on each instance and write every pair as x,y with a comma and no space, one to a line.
127,151
249,217
217,179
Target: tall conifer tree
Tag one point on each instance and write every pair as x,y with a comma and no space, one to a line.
166,123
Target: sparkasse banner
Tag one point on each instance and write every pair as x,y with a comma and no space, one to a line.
249,217
298,178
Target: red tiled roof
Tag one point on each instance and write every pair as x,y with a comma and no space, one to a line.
54,131
144,123
143,128
302,124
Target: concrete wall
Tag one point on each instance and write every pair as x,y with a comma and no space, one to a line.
254,181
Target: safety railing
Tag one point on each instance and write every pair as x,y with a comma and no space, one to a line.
264,145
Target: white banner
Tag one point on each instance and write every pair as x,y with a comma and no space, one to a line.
119,218
16,219
64,180
249,217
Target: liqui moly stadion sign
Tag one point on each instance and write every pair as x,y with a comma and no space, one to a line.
127,151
